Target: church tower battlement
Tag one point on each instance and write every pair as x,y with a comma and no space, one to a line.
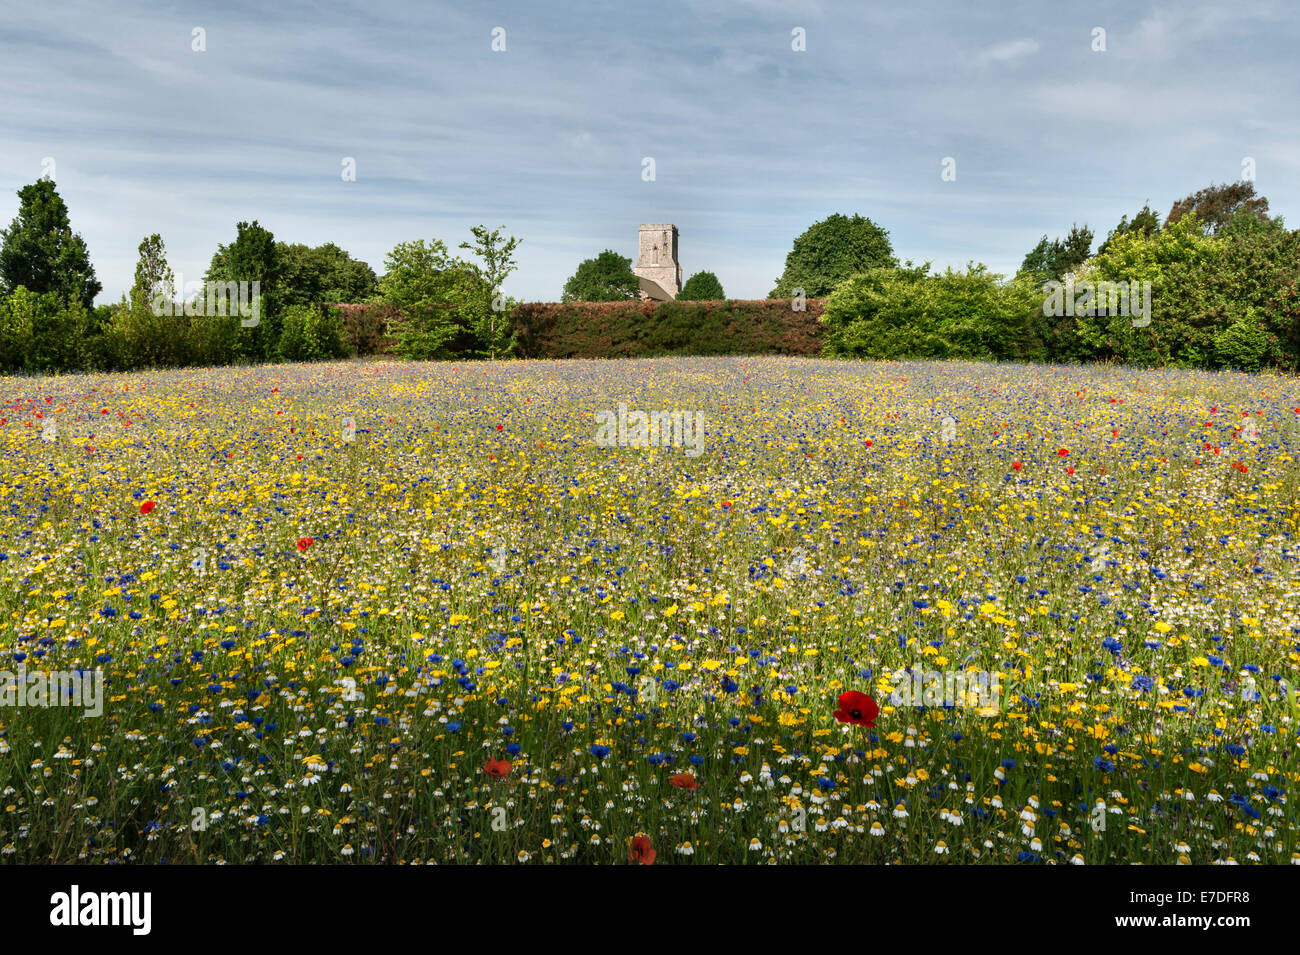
657,257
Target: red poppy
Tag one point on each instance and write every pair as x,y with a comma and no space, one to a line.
501,427
1016,465
497,768
642,851
857,708
684,781
1062,452
304,543
726,504
1069,470
868,442
147,506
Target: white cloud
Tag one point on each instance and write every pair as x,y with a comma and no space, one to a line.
1010,50
753,142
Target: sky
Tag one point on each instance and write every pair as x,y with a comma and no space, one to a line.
752,140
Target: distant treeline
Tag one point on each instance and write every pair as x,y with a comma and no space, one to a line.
1215,285
259,300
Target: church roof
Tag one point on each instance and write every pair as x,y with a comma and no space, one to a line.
653,290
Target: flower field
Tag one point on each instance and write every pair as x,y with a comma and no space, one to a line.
456,629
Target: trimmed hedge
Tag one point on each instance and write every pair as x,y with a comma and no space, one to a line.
630,329
627,329
365,327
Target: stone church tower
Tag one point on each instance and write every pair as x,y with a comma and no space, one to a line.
657,261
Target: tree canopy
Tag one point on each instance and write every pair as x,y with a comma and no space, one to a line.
606,278
1144,223
322,274
1052,260
831,251
444,301
40,252
702,287
1215,206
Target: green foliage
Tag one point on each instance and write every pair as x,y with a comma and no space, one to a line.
138,338
253,257
1052,260
324,274
1258,262
1039,263
905,313
1282,318
42,333
311,333
830,251
1244,222
40,252
445,303
1202,285
495,252
493,330
365,327
1176,260
144,329
17,319
1224,281
637,329
606,278
1145,223
1216,206
1244,345
214,339
496,255
155,284
701,287
873,315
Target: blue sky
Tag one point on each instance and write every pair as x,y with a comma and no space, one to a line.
752,140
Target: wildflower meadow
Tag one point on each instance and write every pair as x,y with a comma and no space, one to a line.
660,611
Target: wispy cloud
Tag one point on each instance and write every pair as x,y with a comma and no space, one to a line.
1010,50
753,139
